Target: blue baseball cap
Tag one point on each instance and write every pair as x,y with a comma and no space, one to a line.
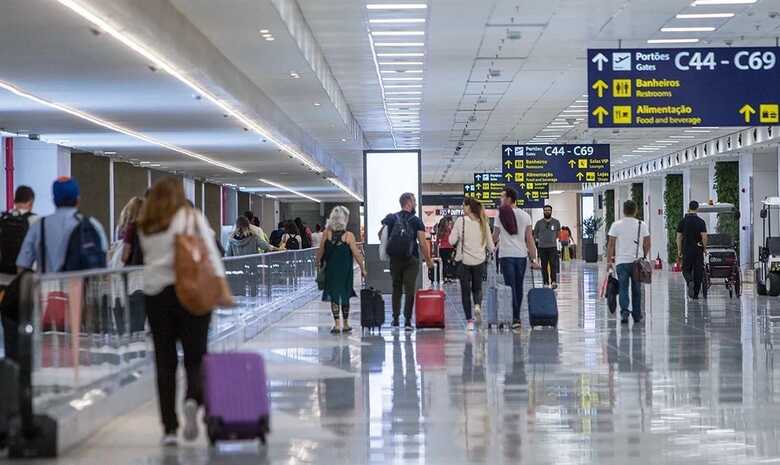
66,191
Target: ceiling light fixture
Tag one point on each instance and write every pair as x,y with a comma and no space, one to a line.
399,44
264,31
396,6
682,137
285,188
397,33
115,127
346,189
414,92
401,55
704,15
672,41
401,63
688,29
402,78
160,63
723,2
402,71
397,21
698,130
404,86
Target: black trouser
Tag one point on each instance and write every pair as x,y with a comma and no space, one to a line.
404,271
11,339
549,258
693,270
471,286
170,323
446,260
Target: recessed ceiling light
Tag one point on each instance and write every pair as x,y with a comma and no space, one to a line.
267,35
668,141
704,15
285,188
682,137
316,104
723,2
404,86
401,63
396,6
672,41
397,21
401,55
294,75
411,92
397,33
343,139
399,44
688,29
697,130
264,31
402,78
404,98
269,39
402,71
110,153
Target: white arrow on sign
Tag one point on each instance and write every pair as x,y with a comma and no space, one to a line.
600,59
508,151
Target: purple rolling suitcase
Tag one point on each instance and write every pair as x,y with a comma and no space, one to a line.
235,396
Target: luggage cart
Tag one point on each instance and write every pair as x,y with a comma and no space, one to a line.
768,271
721,259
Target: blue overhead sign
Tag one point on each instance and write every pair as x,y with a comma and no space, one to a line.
683,87
534,167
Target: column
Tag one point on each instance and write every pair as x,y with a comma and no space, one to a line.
712,224
655,217
746,211
696,185
622,193
38,164
764,184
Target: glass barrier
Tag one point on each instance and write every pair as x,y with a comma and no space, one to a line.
90,333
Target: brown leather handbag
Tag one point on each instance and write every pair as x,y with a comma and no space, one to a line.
198,288
643,270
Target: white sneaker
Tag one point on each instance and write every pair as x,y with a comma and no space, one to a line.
190,420
170,440
478,313
470,326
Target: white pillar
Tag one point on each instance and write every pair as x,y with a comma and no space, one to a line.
712,226
746,208
764,184
622,193
654,215
37,164
696,186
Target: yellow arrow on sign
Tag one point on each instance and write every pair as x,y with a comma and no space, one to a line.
600,112
579,176
572,163
748,111
600,86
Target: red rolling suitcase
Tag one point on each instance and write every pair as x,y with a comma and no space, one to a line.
236,397
429,303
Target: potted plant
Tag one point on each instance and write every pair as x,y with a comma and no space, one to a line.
590,249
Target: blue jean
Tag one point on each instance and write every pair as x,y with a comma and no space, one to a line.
625,275
513,269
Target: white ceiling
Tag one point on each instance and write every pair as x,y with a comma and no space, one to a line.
537,47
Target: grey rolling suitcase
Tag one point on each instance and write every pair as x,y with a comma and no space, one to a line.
498,306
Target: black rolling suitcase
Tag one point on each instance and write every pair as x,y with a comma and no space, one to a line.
542,305
372,309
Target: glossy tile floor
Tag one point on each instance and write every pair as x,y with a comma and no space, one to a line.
695,384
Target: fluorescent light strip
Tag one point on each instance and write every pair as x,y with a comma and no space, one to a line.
667,141
397,33
401,63
704,15
405,98
284,188
396,6
698,130
688,29
404,93
402,104
672,41
403,71
402,78
401,55
114,127
404,86
682,137
397,21
723,2
173,71
346,189
399,44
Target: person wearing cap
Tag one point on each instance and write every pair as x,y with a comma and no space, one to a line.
59,227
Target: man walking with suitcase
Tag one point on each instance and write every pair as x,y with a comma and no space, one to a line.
405,238
691,243
626,237
546,234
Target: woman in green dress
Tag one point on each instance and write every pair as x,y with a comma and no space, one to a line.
336,252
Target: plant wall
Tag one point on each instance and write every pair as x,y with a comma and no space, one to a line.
673,208
609,200
638,196
727,187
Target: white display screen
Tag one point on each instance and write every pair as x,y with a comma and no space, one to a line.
388,175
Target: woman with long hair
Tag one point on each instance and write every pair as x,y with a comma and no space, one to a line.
337,251
291,240
165,215
127,229
470,237
443,231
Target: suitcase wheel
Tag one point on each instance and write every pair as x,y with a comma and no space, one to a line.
214,428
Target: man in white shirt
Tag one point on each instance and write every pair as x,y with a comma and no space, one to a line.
623,249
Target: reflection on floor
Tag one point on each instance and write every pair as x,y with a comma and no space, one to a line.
694,384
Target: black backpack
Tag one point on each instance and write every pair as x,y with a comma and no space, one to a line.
306,241
85,247
400,241
13,229
292,243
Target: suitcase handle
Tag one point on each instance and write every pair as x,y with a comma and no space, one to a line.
436,284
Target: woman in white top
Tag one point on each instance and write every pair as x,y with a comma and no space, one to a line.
166,214
471,238
316,237
515,239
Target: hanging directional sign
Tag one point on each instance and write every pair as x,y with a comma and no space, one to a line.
490,185
537,166
683,87
471,190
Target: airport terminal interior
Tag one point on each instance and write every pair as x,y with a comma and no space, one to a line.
578,199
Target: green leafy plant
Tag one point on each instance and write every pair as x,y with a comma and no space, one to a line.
673,208
727,187
609,200
591,227
638,196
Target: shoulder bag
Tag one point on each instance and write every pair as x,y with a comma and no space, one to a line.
198,287
643,270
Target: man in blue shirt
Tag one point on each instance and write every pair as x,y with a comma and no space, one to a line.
59,227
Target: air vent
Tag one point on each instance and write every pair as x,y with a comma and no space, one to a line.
514,35
494,72
481,99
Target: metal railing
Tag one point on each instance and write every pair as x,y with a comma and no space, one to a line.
88,329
